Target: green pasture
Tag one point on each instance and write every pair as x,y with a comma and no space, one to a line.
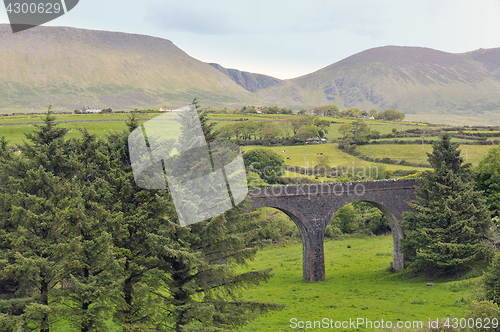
15,134
414,152
300,155
73,117
359,284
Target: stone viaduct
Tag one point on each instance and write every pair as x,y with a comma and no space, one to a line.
312,206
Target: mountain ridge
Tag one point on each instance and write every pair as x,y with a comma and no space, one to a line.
410,79
71,68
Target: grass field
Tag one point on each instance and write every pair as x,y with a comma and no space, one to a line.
358,284
337,157
15,134
72,117
414,152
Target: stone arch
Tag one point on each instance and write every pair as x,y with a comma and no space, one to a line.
312,246
392,218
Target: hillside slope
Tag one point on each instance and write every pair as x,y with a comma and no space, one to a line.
249,81
71,68
413,80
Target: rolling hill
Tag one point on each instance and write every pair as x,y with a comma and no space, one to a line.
413,80
71,68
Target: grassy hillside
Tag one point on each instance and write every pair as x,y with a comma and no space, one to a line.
413,80
71,68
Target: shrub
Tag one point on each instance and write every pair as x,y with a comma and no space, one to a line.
480,311
491,280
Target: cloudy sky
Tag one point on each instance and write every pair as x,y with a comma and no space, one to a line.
291,38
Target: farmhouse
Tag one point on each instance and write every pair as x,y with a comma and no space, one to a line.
316,139
91,109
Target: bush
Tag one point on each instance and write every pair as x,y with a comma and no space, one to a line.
280,228
266,163
491,280
481,310
332,230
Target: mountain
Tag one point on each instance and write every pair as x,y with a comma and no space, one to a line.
249,81
413,80
71,68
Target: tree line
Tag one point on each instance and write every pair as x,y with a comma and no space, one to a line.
296,129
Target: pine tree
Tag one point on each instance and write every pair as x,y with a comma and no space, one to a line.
138,214
488,179
200,286
92,271
446,231
36,209
13,297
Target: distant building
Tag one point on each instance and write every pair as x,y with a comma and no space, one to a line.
258,110
164,108
316,139
91,109
366,117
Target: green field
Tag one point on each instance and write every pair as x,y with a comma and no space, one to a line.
358,284
300,155
415,153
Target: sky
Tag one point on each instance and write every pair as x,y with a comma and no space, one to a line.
291,38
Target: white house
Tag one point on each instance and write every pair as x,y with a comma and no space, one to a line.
91,109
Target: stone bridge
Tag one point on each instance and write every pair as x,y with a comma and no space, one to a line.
311,207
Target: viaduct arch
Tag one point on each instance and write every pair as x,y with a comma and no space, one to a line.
311,207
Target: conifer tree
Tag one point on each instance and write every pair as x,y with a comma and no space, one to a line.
36,211
92,271
488,179
199,281
447,229
13,297
138,214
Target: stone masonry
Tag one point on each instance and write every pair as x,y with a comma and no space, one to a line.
311,207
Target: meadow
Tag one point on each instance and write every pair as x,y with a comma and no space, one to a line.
359,284
300,155
414,152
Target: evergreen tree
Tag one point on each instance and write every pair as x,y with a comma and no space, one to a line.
36,208
203,286
138,214
488,179
92,271
447,229
199,260
13,297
